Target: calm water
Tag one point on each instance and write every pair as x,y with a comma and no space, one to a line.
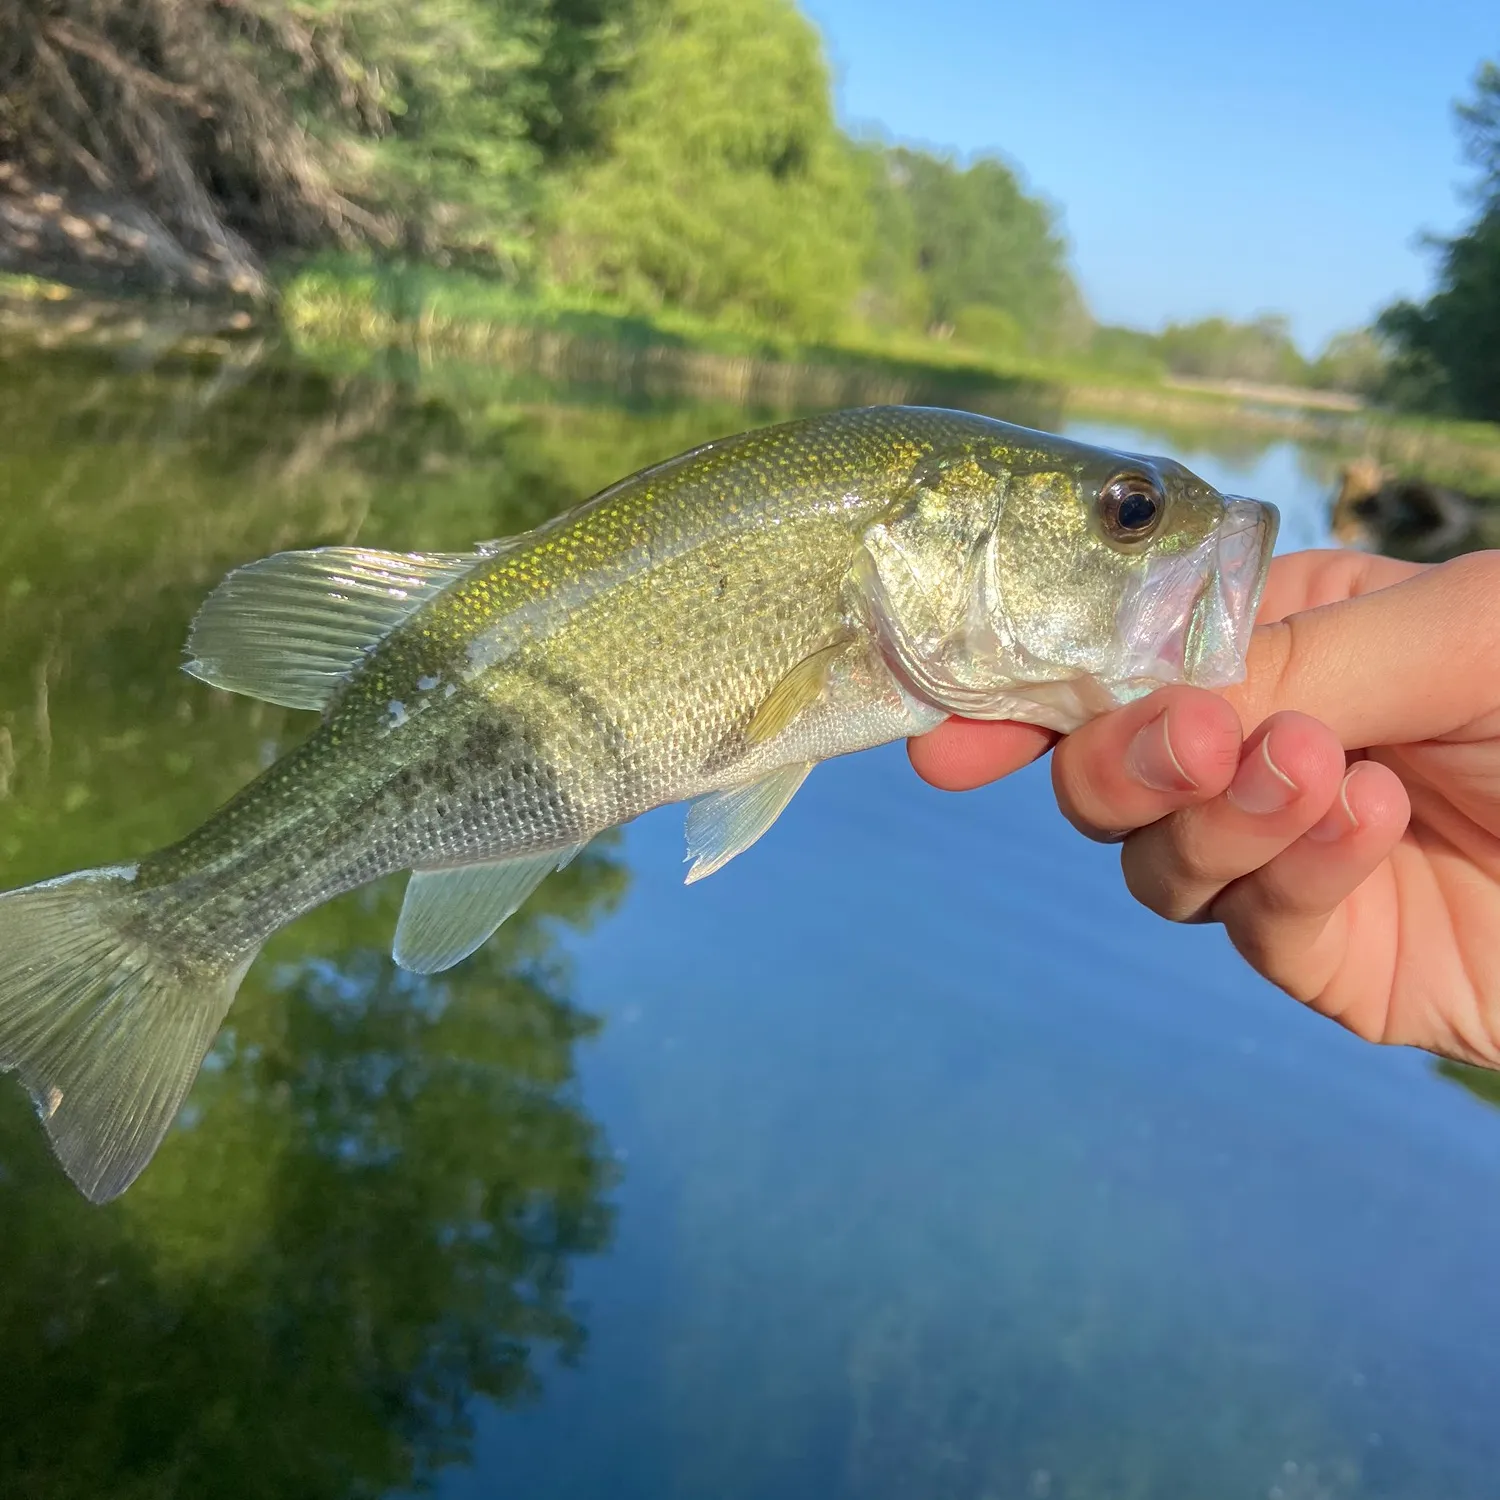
905,1158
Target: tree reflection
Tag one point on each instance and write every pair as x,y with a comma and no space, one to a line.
1480,1082
364,1221
367,1214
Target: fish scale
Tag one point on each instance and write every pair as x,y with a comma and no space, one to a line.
706,630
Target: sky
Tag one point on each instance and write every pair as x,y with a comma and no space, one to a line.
1236,158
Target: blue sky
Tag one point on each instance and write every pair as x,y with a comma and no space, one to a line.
1267,155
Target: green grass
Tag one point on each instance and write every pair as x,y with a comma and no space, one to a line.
347,299
345,304
349,310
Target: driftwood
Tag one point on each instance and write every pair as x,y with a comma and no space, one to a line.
136,144
1377,511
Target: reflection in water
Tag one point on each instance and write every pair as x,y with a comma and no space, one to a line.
366,1215
1480,1082
1025,1196
363,1222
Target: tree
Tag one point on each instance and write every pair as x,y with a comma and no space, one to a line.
981,242
1445,347
725,186
208,136
1354,361
1220,349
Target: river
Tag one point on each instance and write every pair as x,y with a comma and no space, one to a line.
905,1158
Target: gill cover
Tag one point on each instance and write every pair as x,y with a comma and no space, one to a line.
1113,626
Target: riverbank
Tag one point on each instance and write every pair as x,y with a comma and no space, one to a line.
351,314
439,316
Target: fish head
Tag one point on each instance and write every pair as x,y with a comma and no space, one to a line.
1035,578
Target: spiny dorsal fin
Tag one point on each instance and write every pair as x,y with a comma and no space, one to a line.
801,687
449,913
726,823
290,628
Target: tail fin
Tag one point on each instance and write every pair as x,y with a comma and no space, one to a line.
106,1028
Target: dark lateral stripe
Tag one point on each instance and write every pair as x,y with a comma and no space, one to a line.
589,708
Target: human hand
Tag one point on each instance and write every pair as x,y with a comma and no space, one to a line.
1338,812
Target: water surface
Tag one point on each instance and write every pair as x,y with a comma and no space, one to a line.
903,1158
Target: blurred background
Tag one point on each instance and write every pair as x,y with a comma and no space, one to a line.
906,1157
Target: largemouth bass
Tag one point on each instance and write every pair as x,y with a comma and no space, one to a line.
706,631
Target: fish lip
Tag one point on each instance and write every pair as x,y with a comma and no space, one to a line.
1189,615
1218,634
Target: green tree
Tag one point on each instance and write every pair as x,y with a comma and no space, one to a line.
218,134
1221,349
1352,361
1445,347
981,242
725,186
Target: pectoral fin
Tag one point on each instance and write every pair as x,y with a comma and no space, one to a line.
726,823
290,628
800,688
449,913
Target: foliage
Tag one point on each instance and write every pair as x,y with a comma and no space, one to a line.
251,126
1353,361
1261,352
726,188
979,241
1219,349
662,155
1126,351
1445,347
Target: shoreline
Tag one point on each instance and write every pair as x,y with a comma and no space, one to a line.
332,317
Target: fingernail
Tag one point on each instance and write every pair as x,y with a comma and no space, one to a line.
1153,762
1260,786
1339,821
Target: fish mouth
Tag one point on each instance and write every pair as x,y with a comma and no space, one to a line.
1190,615
1218,634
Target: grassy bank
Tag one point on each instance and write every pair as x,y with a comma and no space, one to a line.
349,313
438,315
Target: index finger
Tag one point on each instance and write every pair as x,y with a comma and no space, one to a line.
1418,659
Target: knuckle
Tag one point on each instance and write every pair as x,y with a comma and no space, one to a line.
1081,785
1160,884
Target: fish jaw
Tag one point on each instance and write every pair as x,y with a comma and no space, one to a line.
1190,615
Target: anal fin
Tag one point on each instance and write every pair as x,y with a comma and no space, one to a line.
726,823
450,913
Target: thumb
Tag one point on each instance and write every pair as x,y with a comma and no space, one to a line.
1416,661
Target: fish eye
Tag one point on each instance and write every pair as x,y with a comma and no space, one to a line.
1130,506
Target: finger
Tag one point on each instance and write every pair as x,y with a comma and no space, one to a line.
1139,763
1286,779
1288,918
1388,667
1300,581
961,754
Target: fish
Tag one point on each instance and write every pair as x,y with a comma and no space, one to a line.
705,631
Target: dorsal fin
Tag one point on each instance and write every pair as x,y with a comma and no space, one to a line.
290,628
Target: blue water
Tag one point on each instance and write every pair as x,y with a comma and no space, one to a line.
950,1171
906,1157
